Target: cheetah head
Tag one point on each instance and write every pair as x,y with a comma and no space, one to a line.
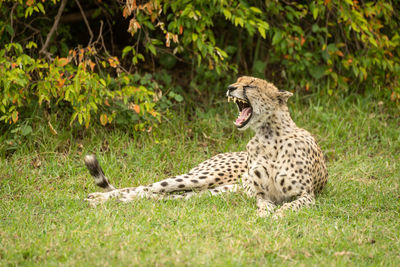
256,100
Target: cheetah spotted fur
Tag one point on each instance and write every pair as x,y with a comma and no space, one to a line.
282,165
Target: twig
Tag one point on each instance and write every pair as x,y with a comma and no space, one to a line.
167,51
12,20
108,17
53,28
100,32
86,22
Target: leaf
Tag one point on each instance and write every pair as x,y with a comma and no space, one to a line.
31,44
339,53
227,13
372,41
9,29
317,71
61,62
255,10
262,32
80,118
113,62
26,130
136,108
91,64
152,49
277,37
126,50
103,119
52,130
40,6
178,98
167,40
14,116
302,41
315,13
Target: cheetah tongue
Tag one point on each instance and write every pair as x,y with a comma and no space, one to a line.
243,116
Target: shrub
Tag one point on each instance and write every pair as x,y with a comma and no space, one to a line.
335,46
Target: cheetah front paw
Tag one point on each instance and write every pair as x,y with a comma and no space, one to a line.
263,213
96,198
277,215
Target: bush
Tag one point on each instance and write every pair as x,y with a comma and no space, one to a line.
334,46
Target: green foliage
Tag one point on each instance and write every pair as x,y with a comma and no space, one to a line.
186,28
343,45
131,67
76,85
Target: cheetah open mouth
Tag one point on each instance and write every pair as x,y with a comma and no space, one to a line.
245,111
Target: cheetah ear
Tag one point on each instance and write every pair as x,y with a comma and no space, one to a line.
283,96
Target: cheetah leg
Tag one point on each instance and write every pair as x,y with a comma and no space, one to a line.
265,207
304,200
129,194
186,195
223,169
158,190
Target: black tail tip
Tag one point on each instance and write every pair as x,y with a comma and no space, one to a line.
93,165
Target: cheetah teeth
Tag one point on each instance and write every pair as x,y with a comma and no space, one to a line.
235,99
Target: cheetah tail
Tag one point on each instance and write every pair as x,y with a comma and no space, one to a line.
95,170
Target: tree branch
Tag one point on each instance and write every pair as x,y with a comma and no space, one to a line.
12,21
86,22
53,28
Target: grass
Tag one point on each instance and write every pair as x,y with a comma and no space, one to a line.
356,220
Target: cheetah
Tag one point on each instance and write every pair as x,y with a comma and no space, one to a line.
282,165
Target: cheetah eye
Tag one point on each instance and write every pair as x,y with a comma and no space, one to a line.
249,87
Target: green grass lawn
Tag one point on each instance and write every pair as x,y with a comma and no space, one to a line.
356,220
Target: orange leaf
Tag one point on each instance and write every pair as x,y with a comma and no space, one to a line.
167,42
180,29
61,62
81,53
136,108
307,86
29,2
149,7
103,119
175,38
106,102
339,53
302,40
14,116
125,12
153,113
91,64
112,62
327,2
61,82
